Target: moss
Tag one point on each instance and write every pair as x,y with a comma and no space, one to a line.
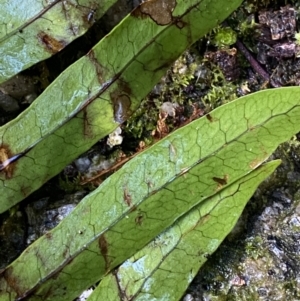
221,91
70,185
224,37
253,247
172,88
143,121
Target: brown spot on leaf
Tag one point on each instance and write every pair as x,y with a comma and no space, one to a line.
40,256
209,118
127,197
139,219
99,68
160,11
103,246
122,110
121,102
25,190
87,129
7,161
204,219
257,161
221,181
254,163
133,208
180,24
149,184
51,44
12,281
66,252
49,235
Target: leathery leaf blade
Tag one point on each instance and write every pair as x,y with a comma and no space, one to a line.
31,31
100,91
151,192
164,268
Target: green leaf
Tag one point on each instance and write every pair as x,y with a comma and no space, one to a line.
100,91
166,266
151,192
33,31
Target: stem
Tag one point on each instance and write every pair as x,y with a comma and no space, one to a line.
255,64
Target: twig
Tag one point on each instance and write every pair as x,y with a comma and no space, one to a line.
255,64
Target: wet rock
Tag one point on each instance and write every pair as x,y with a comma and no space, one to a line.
45,213
82,164
281,23
21,87
12,237
8,103
227,61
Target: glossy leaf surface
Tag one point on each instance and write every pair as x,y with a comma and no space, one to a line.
151,192
31,31
166,266
100,91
